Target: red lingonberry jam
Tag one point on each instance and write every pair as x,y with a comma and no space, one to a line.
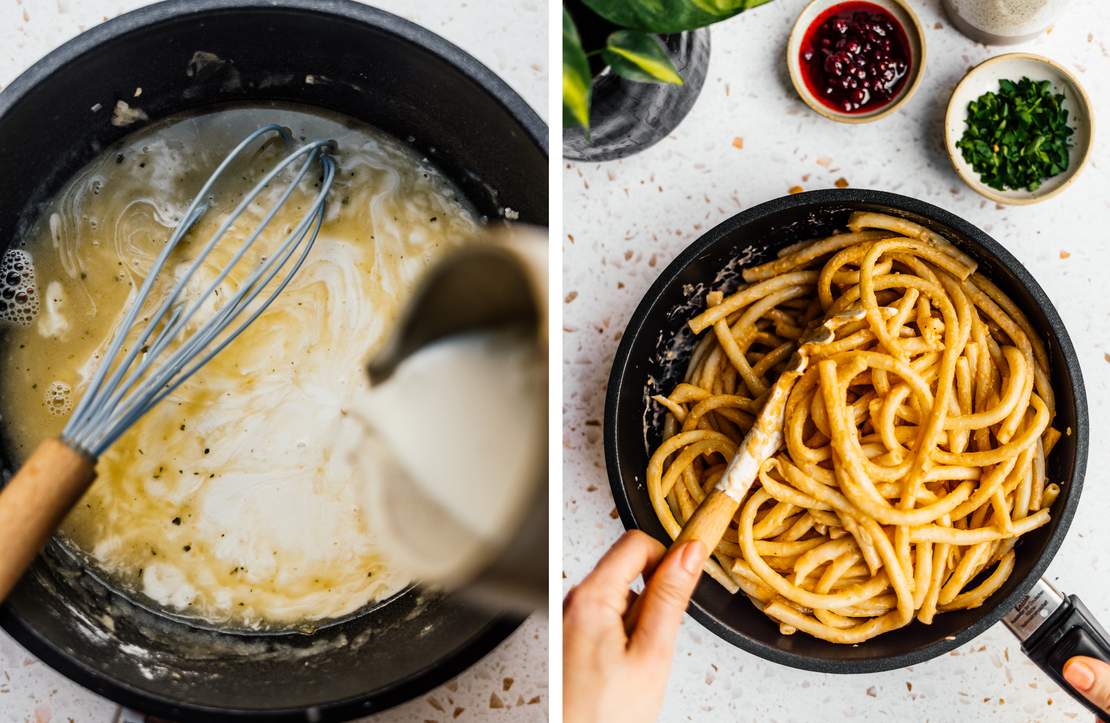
855,57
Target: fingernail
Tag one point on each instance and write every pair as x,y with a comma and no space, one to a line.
1079,675
693,556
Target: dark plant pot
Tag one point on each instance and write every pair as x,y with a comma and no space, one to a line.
627,117
369,65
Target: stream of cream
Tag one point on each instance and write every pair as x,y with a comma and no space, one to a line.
454,438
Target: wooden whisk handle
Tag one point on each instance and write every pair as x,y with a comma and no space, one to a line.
710,520
34,502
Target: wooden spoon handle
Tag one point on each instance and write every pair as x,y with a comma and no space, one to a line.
708,524
710,520
34,502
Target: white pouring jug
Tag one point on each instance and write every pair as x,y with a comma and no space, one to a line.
456,426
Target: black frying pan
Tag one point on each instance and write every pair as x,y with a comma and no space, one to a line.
363,63
653,355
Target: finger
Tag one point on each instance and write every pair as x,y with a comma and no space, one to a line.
664,600
1091,677
626,560
653,561
630,600
596,607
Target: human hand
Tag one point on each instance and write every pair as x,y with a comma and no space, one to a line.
615,667
1091,677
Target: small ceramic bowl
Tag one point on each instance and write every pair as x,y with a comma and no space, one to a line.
1014,66
910,23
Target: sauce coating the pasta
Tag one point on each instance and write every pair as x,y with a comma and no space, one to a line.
914,443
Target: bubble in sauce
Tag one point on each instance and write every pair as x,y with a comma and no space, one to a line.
19,296
59,398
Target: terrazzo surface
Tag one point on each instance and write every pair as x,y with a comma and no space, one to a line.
750,139
508,685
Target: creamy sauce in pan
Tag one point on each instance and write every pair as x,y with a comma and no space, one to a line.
228,501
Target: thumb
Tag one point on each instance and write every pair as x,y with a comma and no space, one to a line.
1091,677
665,597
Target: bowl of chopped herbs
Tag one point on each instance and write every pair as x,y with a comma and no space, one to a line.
1018,128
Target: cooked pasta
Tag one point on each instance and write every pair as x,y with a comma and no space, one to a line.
914,442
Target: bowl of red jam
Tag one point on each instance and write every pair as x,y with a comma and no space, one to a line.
856,60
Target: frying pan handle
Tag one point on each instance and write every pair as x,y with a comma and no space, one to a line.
1071,631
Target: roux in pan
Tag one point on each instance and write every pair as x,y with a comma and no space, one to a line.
228,501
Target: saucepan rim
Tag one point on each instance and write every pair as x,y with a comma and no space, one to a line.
423,40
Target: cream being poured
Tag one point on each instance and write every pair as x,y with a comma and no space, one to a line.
453,441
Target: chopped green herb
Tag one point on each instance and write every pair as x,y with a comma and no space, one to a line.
1018,137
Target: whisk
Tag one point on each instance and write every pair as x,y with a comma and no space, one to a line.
166,352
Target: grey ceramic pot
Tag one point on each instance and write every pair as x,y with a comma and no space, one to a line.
627,117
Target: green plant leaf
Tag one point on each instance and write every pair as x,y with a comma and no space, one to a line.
639,56
727,7
669,16
576,77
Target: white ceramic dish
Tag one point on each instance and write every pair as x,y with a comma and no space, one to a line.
906,17
1014,66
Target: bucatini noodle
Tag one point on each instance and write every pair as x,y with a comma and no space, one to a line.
915,442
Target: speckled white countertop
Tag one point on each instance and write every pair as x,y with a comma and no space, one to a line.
511,683
631,217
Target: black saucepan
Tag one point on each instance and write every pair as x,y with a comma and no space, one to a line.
189,54
653,355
